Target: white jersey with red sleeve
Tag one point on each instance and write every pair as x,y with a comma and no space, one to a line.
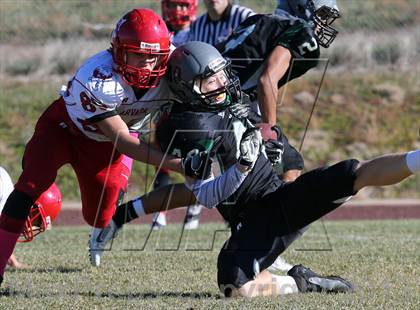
97,92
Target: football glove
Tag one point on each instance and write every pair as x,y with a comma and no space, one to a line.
274,150
272,137
242,109
197,164
250,147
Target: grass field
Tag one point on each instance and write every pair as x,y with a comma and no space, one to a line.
381,258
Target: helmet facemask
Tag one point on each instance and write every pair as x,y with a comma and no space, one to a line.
323,18
42,213
178,18
220,98
36,223
141,77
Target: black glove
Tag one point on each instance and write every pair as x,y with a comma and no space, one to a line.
250,147
274,148
197,164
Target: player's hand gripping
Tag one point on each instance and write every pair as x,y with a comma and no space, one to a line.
197,164
242,109
274,148
250,147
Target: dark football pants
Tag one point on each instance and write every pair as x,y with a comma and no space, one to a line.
262,235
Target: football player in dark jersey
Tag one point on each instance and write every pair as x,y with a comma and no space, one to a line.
267,51
262,209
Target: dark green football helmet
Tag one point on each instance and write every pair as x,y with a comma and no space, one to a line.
191,64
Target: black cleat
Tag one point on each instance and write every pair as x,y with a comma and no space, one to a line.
309,281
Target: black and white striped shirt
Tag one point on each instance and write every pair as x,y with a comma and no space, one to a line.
213,32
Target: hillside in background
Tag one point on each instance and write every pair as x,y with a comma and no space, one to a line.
368,102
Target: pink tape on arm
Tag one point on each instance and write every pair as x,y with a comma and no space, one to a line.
128,161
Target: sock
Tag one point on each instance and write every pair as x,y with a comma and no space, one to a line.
12,222
7,245
127,212
138,207
285,284
413,161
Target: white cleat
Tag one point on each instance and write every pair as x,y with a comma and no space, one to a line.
99,237
159,221
279,265
192,219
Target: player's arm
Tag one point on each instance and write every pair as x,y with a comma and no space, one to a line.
211,191
276,66
117,131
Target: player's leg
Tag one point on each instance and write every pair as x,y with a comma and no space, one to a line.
103,175
300,279
289,169
387,169
267,284
253,246
318,192
162,179
192,217
164,198
280,264
15,263
44,154
292,161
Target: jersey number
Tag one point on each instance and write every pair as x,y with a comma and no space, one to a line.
87,102
309,46
87,126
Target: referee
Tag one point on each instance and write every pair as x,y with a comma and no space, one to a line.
219,21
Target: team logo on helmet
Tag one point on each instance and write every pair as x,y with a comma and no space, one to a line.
151,46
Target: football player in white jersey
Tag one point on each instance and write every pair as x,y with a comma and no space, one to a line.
88,126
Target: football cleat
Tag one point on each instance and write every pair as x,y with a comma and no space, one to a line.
309,281
99,237
192,218
159,221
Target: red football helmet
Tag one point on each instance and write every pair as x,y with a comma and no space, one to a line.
43,212
141,32
175,16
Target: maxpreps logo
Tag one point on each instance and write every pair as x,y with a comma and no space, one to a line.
150,46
